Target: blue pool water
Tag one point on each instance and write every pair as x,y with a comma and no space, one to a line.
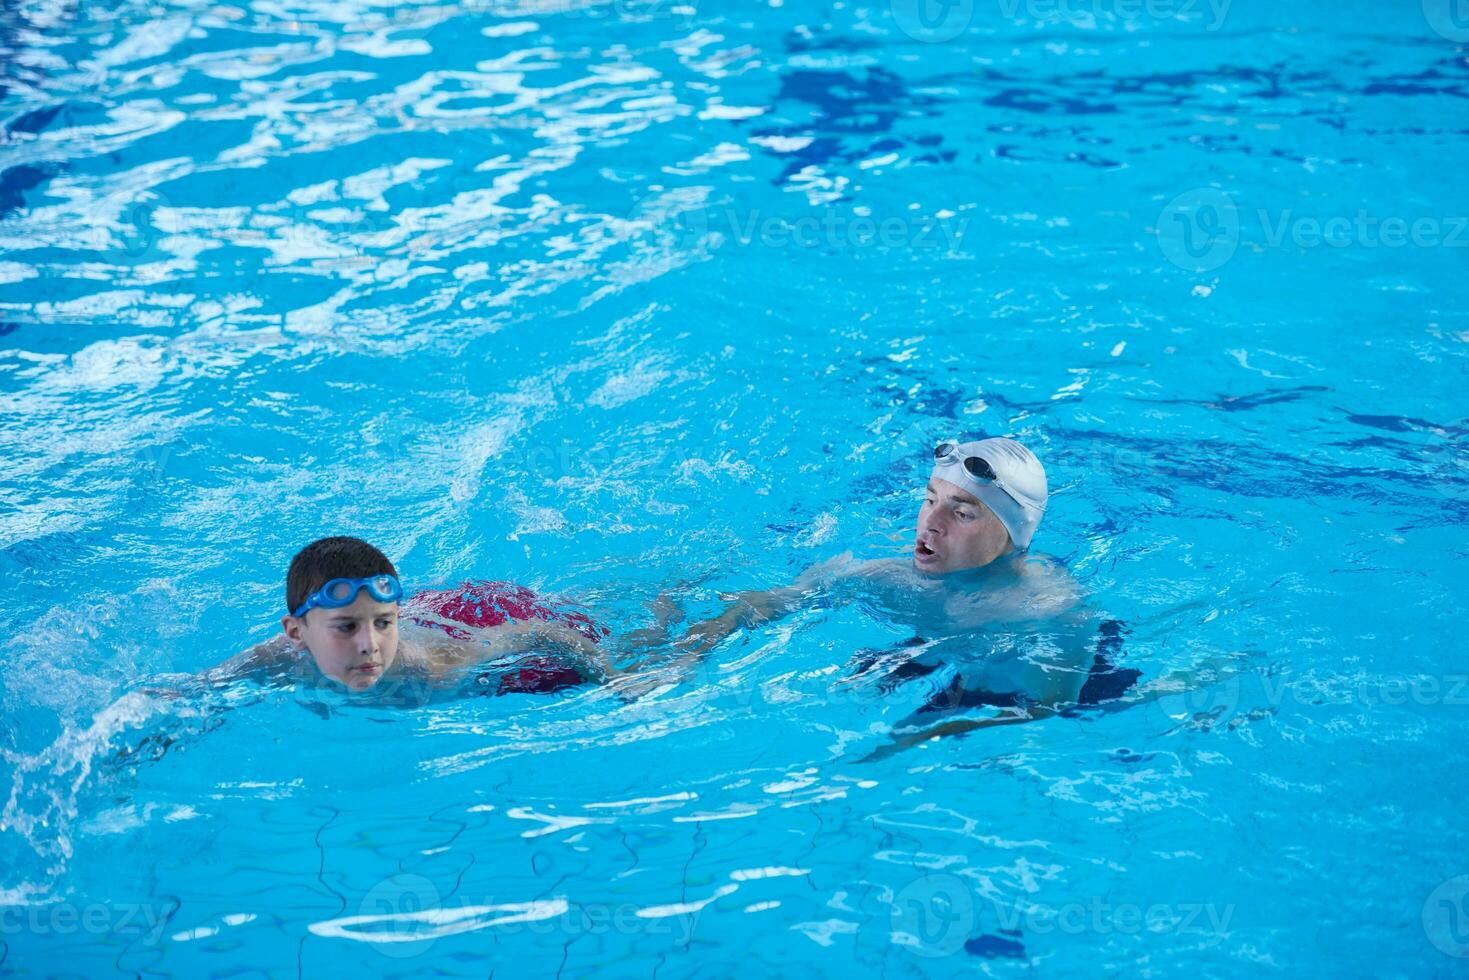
613,298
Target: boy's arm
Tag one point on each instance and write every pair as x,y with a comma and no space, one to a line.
258,659
262,656
444,654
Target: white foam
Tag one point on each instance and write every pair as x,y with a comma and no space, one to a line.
684,908
441,922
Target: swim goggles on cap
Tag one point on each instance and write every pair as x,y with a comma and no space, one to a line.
341,592
976,466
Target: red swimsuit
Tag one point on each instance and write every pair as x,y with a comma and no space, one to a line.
486,604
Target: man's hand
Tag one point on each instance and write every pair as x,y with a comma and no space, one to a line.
957,727
705,636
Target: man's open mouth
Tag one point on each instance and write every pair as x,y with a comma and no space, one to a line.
923,553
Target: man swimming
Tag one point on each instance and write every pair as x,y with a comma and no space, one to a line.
1006,627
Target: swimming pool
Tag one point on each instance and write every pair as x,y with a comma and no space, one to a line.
604,298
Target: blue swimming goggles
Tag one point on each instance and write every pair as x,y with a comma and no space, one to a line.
341,592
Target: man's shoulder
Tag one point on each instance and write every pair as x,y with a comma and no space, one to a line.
841,566
1027,588
1043,569
1046,578
878,569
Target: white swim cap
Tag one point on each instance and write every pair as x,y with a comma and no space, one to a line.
1005,477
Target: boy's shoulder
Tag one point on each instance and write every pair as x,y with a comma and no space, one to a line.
273,654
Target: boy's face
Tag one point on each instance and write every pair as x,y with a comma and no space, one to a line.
956,531
353,645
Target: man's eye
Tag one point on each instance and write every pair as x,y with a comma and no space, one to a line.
383,624
963,515
345,628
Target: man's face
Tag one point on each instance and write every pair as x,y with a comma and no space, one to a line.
956,531
353,645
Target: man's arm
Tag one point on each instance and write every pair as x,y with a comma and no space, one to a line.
744,610
755,607
1047,680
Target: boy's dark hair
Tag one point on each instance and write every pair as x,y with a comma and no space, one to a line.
321,561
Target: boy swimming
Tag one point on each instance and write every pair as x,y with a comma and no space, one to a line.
347,614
